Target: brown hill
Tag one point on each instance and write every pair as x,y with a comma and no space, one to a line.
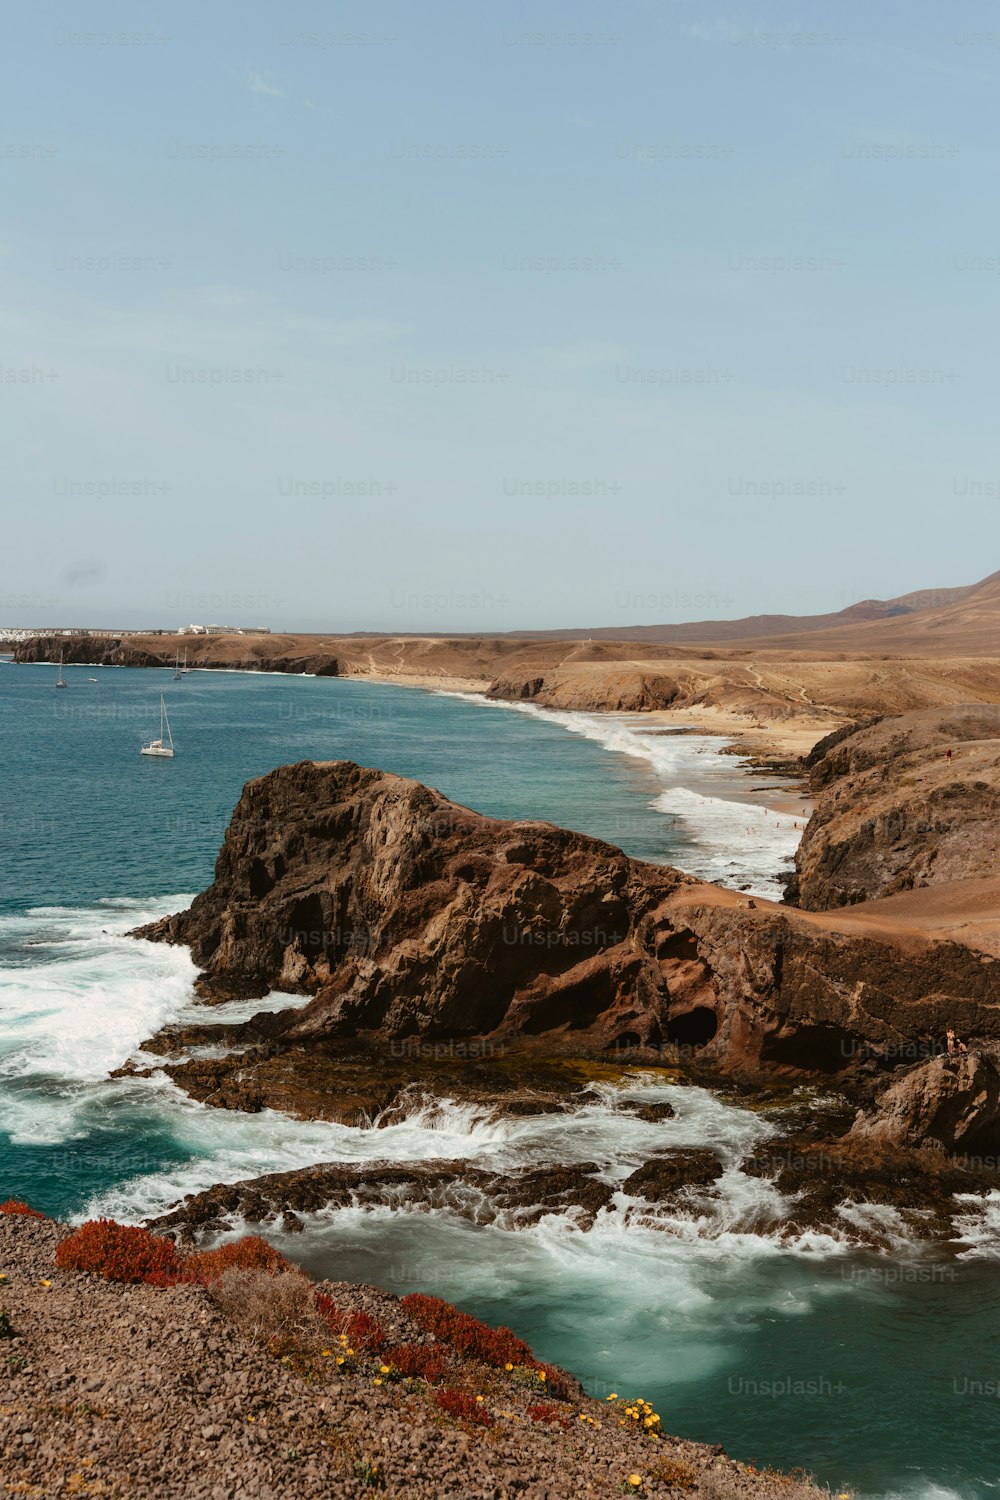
761,627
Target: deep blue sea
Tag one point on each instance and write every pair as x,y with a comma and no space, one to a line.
878,1373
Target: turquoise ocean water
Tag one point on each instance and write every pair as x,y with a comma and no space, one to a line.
878,1373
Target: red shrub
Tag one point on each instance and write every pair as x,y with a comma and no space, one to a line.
251,1253
422,1360
12,1206
120,1252
544,1411
472,1339
463,1407
364,1333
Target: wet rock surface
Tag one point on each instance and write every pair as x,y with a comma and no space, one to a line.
661,1178
519,1197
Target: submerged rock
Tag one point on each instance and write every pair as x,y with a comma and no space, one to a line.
662,1177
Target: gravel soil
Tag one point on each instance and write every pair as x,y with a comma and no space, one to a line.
130,1390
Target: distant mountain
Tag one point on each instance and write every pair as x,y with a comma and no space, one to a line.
943,621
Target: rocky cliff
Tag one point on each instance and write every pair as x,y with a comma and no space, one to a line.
405,915
254,654
895,812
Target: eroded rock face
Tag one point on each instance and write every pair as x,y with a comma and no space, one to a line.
895,813
950,1101
408,915
121,651
405,915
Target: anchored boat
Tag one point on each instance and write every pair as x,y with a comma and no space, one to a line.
164,746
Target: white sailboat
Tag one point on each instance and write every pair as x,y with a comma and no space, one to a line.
178,674
60,680
164,746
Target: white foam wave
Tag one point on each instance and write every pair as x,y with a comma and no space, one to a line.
732,842
921,1490
79,996
978,1229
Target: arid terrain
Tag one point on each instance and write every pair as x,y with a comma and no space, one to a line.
779,682
117,1382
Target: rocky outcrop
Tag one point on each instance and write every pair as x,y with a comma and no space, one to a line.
950,1101
613,690
122,651
895,812
88,650
406,916
517,1198
410,916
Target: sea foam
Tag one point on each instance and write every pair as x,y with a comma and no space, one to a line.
732,842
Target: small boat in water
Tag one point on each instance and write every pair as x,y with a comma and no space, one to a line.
163,748
60,680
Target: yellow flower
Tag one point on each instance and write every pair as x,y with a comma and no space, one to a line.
383,1369
480,1398
507,1366
325,1353
613,1396
43,1282
251,1419
350,1351
342,1339
635,1480
376,1381
542,1375
340,1359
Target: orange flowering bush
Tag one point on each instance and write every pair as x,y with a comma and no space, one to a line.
463,1407
120,1252
544,1411
466,1334
361,1330
251,1253
12,1206
423,1361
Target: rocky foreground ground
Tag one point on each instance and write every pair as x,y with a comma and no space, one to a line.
241,1389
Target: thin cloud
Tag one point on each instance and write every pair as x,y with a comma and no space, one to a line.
259,85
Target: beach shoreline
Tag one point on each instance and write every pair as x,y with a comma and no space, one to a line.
760,738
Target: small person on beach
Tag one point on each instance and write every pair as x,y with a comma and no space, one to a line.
947,753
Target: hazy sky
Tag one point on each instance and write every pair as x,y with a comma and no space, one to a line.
465,316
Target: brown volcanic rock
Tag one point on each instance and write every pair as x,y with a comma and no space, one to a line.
894,813
952,1101
519,1197
252,653
665,1175
408,916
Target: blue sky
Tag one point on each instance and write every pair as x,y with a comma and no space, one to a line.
475,316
